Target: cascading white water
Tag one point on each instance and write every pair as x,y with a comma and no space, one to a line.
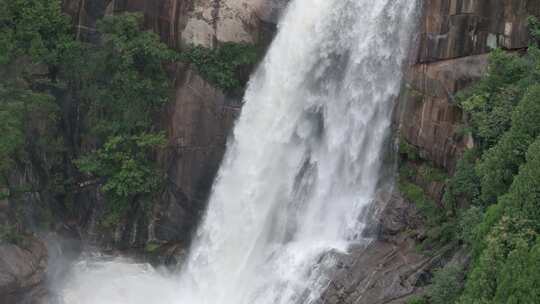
302,166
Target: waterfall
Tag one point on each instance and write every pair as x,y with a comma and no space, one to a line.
300,169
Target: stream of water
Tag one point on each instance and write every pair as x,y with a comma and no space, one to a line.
301,167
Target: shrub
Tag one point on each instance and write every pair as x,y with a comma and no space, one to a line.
490,102
534,28
34,28
125,164
124,84
408,150
446,286
501,163
10,235
464,185
468,223
418,300
223,65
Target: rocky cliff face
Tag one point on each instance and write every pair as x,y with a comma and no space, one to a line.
454,38
198,119
452,45
181,22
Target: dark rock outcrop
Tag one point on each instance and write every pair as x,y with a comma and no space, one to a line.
387,270
454,38
459,28
22,272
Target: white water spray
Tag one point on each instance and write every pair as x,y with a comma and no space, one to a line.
302,166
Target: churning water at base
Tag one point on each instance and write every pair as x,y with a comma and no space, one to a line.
302,166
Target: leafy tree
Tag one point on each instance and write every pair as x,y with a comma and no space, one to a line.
489,102
446,287
22,113
503,178
123,89
501,163
125,82
34,28
117,86
224,65
534,27
418,300
509,241
519,277
468,224
464,185
10,235
126,164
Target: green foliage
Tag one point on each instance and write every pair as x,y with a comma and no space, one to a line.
223,66
491,217
20,111
117,87
10,235
446,286
468,222
441,229
418,300
151,247
125,163
431,174
35,28
464,185
489,103
427,208
507,237
523,198
501,163
124,82
123,87
534,28
499,184
519,278
505,251
416,195
408,150
32,32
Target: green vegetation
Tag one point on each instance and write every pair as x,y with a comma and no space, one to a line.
413,170
81,112
223,66
152,247
126,164
32,35
10,235
33,28
446,287
494,190
124,84
409,151
418,300
118,86
121,90
463,187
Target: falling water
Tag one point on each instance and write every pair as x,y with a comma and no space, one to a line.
301,167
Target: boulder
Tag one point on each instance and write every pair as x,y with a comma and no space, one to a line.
22,272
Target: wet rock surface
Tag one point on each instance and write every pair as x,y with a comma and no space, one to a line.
453,42
22,272
388,270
